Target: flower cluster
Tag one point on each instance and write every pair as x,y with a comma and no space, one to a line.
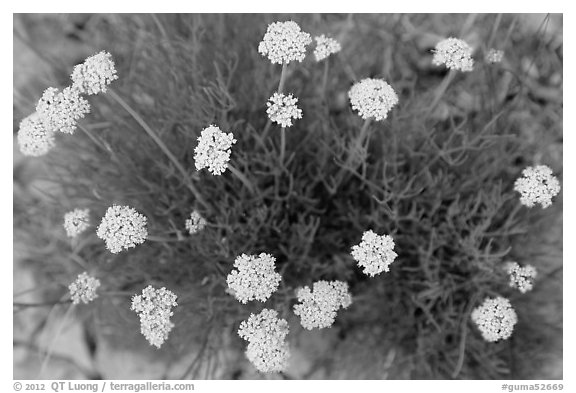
374,253
495,318
122,227
34,139
282,109
372,98
494,55
317,308
76,221
154,307
213,150
195,223
454,53
521,278
61,110
84,289
537,185
284,42
266,334
325,46
92,76
254,279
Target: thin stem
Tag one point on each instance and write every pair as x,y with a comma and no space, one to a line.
56,336
282,145
353,152
160,239
266,129
440,90
42,304
325,79
242,178
282,78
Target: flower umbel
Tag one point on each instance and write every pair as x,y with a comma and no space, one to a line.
325,46
154,309
195,223
213,150
454,53
83,289
495,319
317,308
282,109
122,227
494,56
284,42
92,76
60,111
34,139
374,253
76,221
537,185
372,98
254,277
521,278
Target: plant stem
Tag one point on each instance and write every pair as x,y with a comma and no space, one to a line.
440,90
353,152
282,78
282,144
325,79
241,177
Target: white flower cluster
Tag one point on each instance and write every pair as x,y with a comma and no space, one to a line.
266,334
213,150
60,110
284,42
195,223
76,221
325,46
122,227
84,289
521,278
454,53
282,109
34,139
317,308
375,253
495,319
254,279
372,98
92,76
537,185
154,309
494,56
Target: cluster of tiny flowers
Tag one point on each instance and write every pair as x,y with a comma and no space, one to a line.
195,223
325,46
84,289
267,349
122,227
537,185
495,318
254,279
92,76
372,98
454,53
521,278
76,222
494,55
213,150
154,309
34,139
284,42
282,109
375,253
317,308
61,110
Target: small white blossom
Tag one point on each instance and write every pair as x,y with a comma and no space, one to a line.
154,307
494,56
267,349
495,319
92,76
521,278
284,42
454,53
76,222
374,253
325,46
84,289
61,110
195,223
34,139
282,109
317,308
538,185
255,278
122,227
372,98
213,150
